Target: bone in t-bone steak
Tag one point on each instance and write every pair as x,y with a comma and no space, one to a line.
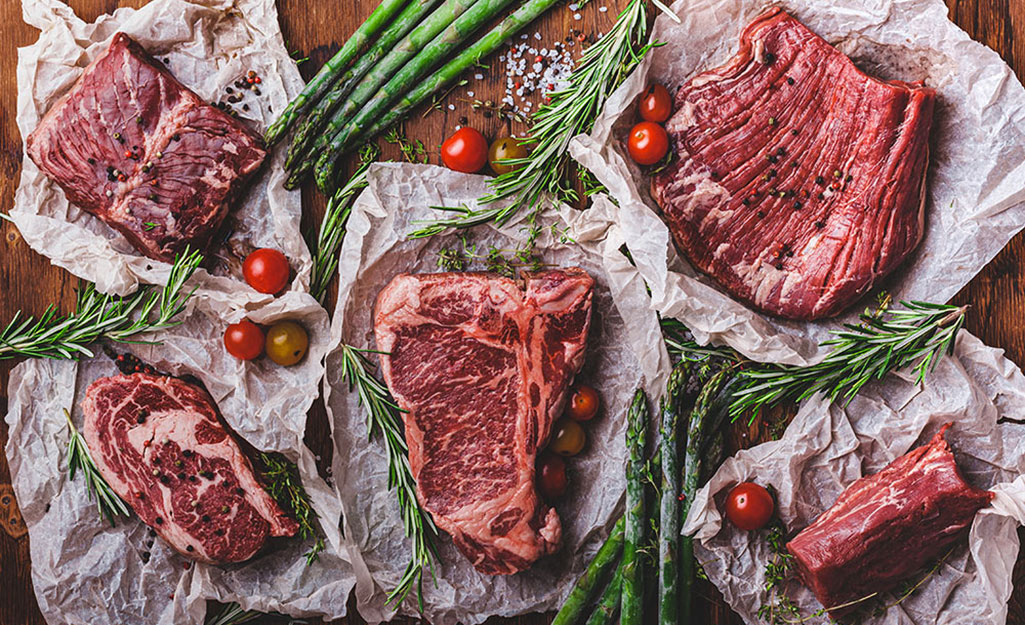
886,526
160,445
799,180
482,368
133,146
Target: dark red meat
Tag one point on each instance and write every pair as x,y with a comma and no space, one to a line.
160,445
133,146
886,526
482,369
799,180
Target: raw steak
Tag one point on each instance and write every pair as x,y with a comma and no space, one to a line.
799,181
885,527
160,445
482,369
133,146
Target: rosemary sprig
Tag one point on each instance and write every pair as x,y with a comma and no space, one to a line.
885,341
383,418
107,501
332,228
571,111
99,316
233,614
911,338
285,486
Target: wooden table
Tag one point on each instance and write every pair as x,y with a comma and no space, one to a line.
317,27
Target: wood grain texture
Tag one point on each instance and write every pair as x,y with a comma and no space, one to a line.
28,281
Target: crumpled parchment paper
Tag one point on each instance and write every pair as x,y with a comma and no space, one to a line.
828,447
625,350
209,44
84,570
976,193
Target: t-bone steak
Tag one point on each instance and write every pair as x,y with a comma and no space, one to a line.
482,368
799,181
160,445
136,148
887,526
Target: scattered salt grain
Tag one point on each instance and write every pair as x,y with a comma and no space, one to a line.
577,16
480,76
451,107
603,9
469,94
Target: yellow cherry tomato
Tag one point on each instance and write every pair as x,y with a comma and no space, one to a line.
569,438
505,148
287,342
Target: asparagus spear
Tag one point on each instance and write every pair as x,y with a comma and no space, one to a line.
329,72
669,522
633,532
307,132
691,476
583,590
413,44
389,108
608,604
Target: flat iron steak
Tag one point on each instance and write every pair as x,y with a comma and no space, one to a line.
798,182
134,147
160,445
482,368
887,526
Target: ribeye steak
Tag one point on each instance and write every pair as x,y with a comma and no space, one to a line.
136,148
482,368
884,527
799,180
160,445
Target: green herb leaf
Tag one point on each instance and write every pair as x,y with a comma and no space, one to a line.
283,483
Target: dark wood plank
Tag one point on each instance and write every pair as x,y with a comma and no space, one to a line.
28,282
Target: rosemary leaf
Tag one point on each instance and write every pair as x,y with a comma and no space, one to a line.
384,420
108,503
98,316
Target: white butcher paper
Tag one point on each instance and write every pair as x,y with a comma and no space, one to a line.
73,547
625,350
827,447
976,178
208,45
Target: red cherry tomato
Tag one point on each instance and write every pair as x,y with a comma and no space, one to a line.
551,476
266,270
583,403
655,104
466,151
648,143
244,340
749,506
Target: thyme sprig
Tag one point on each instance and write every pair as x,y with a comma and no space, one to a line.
98,316
412,151
570,111
913,337
464,254
284,485
332,228
384,420
108,503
